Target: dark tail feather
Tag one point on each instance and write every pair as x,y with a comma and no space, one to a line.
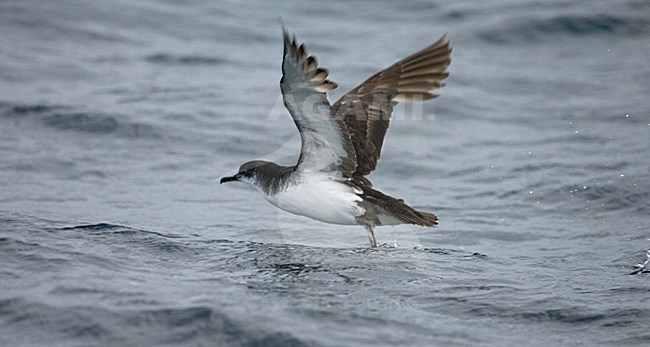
430,219
409,215
397,208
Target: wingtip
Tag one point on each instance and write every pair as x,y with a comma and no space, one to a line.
282,25
286,36
442,42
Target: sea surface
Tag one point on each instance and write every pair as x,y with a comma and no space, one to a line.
117,119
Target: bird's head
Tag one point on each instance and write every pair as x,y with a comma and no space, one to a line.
247,172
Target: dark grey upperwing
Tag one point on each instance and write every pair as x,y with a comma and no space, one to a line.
326,144
366,110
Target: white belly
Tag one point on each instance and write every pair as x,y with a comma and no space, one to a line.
322,198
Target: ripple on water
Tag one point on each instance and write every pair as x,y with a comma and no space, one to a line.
87,324
535,30
66,119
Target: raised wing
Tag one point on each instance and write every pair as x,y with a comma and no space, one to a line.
326,144
366,110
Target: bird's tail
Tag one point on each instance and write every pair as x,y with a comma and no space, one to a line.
391,211
429,218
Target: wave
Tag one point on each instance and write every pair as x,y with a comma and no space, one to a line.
538,29
67,119
80,324
149,242
604,197
115,229
170,59
569,315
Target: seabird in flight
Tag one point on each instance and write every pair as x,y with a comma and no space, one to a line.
341,143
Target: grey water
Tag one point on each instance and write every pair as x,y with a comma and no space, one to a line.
118,118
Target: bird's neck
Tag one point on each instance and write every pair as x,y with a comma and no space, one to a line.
276,179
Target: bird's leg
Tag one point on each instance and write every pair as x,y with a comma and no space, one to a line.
371,236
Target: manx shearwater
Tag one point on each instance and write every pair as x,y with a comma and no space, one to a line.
341,143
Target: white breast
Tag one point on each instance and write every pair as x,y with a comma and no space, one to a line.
321,197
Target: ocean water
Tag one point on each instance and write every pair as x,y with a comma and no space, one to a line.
117,120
